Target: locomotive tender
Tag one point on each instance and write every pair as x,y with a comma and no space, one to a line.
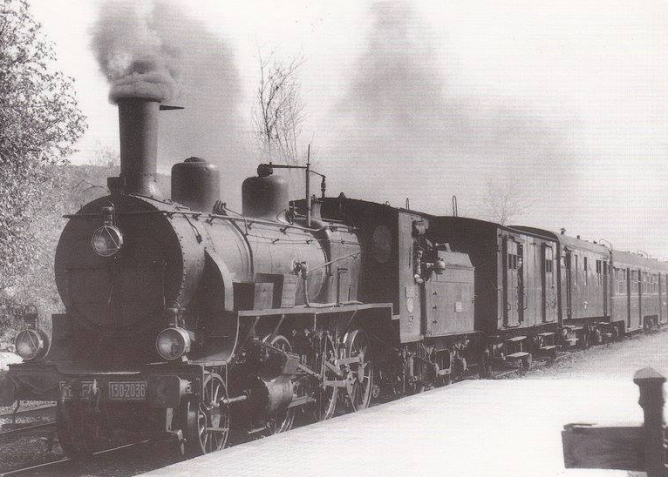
183,316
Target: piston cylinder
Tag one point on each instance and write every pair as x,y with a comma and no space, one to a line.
270,396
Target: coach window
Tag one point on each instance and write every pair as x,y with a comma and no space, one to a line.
625,282
635,279
512,261
598,272
631,278
585,269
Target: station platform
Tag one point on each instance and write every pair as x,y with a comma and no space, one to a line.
473,428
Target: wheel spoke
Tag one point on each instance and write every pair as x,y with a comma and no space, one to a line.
207,422
358,347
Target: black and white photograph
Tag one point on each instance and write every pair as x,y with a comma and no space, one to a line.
352,238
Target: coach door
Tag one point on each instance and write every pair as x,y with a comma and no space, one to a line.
630,293
659,278
569,285
642,279
549,292
513,283
606,286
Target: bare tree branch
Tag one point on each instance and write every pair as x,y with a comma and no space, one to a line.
503,201
279,112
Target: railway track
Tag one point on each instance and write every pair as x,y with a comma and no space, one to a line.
27,429
59,466
48,466
28,411
14,429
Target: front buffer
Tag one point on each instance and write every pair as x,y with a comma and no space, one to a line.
137,400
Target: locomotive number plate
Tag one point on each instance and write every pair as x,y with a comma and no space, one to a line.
127,391
68,394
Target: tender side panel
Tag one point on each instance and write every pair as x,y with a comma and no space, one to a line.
480,241
449,301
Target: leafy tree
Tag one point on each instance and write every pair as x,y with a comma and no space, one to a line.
39,124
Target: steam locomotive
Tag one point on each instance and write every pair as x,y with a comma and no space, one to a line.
185,317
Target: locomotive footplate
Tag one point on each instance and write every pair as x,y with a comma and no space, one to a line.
162,386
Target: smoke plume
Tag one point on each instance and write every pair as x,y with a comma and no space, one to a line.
162,52
136,58
401,112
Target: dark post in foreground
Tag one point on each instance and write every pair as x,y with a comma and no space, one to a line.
624,447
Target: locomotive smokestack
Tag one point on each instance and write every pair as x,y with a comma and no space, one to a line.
138,122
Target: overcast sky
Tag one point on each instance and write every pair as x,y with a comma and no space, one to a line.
428,99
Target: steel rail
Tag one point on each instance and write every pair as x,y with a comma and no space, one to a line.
28,411
67,460
24,430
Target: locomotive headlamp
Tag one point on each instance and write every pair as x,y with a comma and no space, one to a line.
31,344
172,343
107,240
